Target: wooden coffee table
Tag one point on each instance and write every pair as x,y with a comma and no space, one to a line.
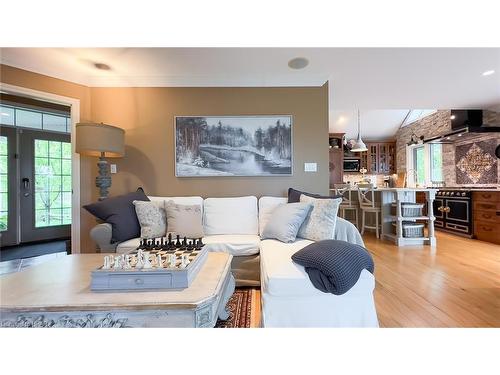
57,294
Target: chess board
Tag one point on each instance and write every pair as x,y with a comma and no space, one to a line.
165,276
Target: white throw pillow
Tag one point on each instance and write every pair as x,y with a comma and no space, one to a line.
320,223
230,216
184,220
151,217
285,221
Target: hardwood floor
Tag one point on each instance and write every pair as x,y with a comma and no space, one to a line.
457,285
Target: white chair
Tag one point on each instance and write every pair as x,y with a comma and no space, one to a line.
349,203
367,204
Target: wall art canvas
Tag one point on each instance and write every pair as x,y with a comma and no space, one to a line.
233,146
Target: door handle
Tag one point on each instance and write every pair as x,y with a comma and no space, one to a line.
26,186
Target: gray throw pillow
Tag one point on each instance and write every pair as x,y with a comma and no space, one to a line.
151,216
320,223
285,221
184,220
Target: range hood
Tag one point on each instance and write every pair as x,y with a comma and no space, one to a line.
468,122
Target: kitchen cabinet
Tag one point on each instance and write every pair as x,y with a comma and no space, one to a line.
336,159
380,157
486,215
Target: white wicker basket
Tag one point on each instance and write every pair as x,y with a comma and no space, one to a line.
411,229
408,209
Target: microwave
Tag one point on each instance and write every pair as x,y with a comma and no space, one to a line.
352,165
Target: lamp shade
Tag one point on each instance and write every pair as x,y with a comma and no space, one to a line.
94,139
359,146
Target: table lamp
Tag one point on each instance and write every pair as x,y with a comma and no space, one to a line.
103,141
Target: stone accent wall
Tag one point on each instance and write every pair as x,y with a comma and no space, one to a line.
439,123
430,126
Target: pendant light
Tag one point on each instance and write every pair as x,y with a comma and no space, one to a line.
359,146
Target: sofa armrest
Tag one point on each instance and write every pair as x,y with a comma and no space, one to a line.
347,231
101,234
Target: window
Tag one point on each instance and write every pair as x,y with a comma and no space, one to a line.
28,118
52,183
436,162
425,164
4,189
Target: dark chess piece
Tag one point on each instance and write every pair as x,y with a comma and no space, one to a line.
199,244
169,239
190,245
141,244
184,243
178,242
157,245
164,244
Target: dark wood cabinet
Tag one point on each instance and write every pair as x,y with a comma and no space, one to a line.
336,162
380,157
486,214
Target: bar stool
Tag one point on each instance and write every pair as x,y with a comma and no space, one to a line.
367,204
349,202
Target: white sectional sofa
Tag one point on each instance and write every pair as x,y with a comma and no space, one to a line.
233,225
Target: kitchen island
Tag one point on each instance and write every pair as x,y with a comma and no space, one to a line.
388,196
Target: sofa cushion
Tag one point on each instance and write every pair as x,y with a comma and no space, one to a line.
294,195
190,200
280,276
320,222
234,244
230,216
266,207
151,216
184,220
119,211
285,221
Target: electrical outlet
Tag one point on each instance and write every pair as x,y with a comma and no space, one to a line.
310,167
113,168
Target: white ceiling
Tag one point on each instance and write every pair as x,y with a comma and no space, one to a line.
365,78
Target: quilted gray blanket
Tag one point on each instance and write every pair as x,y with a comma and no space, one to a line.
334,266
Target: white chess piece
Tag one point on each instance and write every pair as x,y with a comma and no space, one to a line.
147,262
117,265
140,262
159,263
184,260
172,260
126,262
107,263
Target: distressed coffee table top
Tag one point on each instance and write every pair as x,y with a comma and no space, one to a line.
64,284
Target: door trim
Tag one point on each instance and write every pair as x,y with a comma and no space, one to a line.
75,159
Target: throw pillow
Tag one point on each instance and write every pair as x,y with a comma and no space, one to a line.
285,221
294,195
119,211
334,266
320,223
151,216
184,220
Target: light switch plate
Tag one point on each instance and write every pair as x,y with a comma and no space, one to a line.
310,167
113,168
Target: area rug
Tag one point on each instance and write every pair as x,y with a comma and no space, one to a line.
244,309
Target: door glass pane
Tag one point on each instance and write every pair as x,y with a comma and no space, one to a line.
6,115
54,123
4,188
28,119
52,183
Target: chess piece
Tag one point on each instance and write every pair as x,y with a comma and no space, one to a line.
169,239
172,260
178,242
146,260
117,265
107,263
199,244
184,260
126,263
140,259
184,242
159,262
190,246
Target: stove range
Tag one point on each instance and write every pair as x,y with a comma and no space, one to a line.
453,210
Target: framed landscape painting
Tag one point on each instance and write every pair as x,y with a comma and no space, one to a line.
233,146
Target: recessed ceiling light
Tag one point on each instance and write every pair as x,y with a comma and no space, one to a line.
460,135
448,138
453,117
488,73
298,63
102,66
